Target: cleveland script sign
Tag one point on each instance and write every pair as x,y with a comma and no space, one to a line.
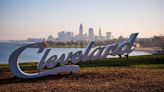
123,48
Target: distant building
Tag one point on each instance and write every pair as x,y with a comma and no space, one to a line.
81,29
100,35
61,36
108,35
91,34
80,32
65,36
85,37
69,36
81,36
50,38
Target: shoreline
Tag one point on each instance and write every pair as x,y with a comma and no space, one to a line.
152,50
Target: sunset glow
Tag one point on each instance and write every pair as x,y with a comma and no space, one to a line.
20,19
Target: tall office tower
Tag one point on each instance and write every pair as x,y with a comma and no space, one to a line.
91,34
80,36
108,35
81,29
100,35
81,32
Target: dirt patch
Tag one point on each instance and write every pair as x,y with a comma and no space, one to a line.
89,79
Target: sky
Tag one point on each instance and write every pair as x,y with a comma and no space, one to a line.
21,19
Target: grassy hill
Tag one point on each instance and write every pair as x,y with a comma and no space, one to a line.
137,74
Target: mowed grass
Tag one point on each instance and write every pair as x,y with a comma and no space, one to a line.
146,61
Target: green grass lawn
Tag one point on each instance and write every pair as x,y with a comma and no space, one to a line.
147,61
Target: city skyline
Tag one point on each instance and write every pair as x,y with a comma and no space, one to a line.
67,36
38,19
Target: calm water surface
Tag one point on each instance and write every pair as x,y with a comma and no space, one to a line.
30,54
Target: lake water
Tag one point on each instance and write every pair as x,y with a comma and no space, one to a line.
30,54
